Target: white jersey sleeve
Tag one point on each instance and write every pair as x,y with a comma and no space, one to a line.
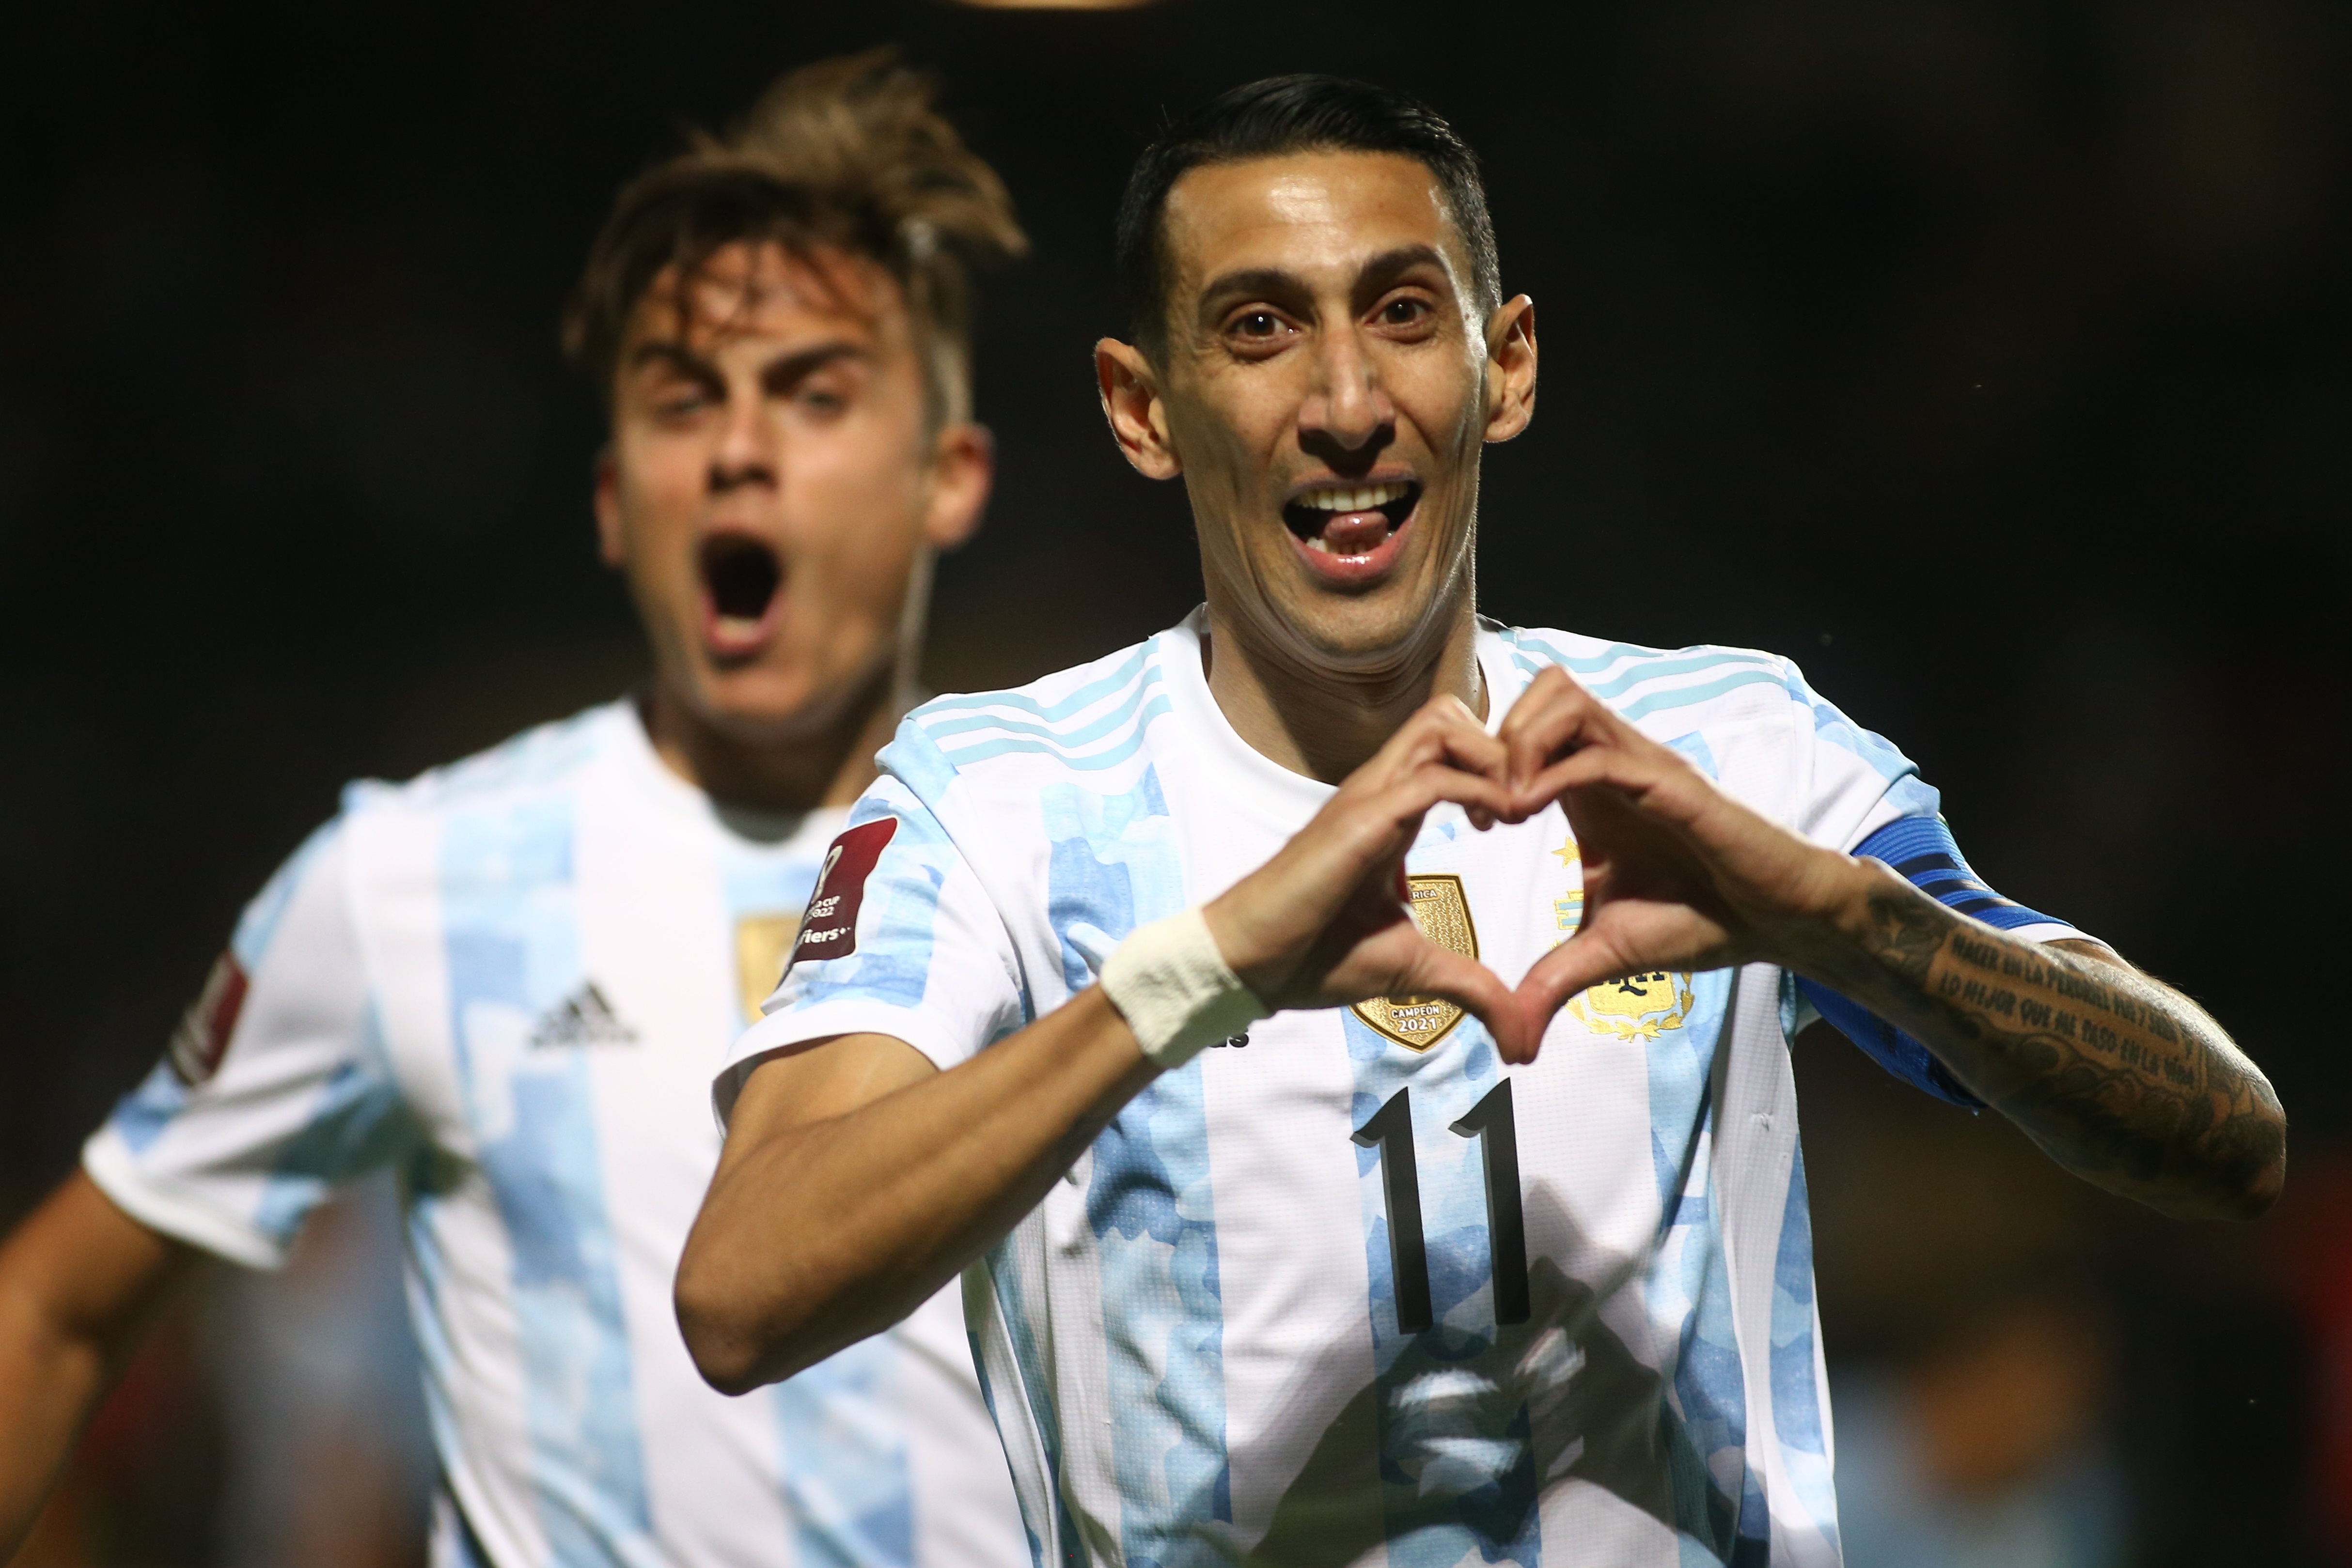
901,938
1864,797
274,1088
1850,782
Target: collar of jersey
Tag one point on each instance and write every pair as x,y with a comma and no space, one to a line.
668,798
1293,795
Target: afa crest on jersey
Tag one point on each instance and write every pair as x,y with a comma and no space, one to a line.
1639,1007
1442,912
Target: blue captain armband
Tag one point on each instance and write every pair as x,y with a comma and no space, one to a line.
1921,849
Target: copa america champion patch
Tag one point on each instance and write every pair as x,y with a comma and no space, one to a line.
829,929
1442,910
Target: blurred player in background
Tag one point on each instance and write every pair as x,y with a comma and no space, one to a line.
511,980
1351,1036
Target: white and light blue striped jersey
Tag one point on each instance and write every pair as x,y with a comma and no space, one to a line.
1348,1290
511,980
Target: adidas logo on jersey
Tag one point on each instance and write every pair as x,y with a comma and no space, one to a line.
583,1018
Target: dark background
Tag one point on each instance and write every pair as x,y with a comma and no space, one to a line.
1991,358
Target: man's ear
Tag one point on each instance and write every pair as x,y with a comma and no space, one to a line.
963,467
1130,401
1510,368
607,483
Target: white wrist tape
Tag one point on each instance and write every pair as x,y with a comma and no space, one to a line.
1174,989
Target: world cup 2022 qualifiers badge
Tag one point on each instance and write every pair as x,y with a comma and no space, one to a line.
1442,914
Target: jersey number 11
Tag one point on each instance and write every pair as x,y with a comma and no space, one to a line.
1490,1122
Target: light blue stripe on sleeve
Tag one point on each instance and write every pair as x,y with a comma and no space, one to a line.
1077,701
1134,683
1649,665
139,1117
943,726
1548,653
1111,757
1683,696
1660,669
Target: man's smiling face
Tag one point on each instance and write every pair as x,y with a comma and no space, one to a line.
1324,388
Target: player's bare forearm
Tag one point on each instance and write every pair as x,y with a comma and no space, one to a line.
2120,1077
850,1191
49,1383
79,1279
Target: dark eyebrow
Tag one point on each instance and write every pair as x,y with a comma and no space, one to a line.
677,356
1250,282
1272,282
786,369
790,368
1382,269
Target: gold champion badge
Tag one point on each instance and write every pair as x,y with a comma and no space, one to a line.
760,943
1443,913
1639,1007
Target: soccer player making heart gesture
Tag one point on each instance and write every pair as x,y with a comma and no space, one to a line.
1347,1039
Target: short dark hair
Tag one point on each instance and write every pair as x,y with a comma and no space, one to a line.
846,155
1302,113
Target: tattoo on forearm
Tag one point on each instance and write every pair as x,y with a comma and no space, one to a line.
2113,1074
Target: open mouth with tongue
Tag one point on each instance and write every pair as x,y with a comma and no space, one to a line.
1351,533
741,578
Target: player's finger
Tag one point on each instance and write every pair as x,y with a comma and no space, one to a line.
1633,775
1555,718
1443,729
1436,781
1436,971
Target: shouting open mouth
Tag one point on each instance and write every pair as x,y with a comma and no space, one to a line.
741,578
1351,533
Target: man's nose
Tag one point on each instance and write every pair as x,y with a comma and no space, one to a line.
747,449
1348,408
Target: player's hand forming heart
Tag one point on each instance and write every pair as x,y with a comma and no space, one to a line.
1328,922
1677,875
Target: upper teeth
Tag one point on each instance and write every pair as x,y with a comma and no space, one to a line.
1332,499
